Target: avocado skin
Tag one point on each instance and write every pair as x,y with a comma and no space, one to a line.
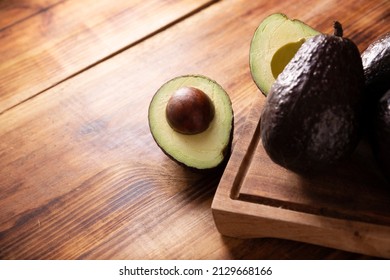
381,134
311,118
376,65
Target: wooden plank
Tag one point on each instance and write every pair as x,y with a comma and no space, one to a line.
81,176
51,46
13,12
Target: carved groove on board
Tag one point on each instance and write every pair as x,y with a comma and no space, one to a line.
245,163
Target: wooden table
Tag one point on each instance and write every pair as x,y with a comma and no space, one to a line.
80,175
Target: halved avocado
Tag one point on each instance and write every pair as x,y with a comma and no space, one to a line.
194,99
273,45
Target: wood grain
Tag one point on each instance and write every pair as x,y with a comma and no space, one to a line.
81,177
51,46
14,12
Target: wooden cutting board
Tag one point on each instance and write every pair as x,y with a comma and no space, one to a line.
348,208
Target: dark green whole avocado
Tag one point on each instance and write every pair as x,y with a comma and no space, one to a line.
312,114
381,134
376,65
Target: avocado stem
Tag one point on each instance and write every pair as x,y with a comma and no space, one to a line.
338,29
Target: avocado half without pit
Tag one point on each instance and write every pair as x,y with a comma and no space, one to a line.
273,45
191,120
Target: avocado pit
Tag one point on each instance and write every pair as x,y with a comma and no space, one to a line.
189,111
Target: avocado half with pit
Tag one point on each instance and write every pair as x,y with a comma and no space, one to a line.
273,45
191,120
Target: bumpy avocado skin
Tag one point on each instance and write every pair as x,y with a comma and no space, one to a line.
376,64
311,116
381,134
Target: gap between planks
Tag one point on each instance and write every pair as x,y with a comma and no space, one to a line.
39,11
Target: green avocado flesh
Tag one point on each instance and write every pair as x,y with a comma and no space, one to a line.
203,150
273,45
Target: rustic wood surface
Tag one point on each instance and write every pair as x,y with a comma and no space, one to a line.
68,37
81,177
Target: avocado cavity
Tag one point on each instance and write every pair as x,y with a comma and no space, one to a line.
283,56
